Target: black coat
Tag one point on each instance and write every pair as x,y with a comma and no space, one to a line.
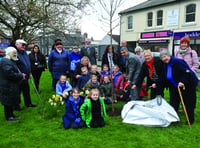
115,59
41,61
145,72
10,78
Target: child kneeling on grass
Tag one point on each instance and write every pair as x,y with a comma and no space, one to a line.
72,117
63,86
93,110
107,91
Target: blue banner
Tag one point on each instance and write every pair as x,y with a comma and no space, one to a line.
190,34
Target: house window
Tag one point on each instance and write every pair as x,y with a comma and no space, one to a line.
190,13
150,19
130,22
159,17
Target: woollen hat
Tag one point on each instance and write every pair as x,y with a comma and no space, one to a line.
10,50
20,41
185,39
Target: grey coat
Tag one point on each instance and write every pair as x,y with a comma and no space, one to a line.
133,67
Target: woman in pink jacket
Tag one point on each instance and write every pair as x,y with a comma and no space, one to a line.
187,54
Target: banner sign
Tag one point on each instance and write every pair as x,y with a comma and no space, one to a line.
158,34
191,34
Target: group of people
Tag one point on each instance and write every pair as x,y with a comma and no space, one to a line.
123,75
15,71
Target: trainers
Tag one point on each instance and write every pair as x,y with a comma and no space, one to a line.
31,106
11,119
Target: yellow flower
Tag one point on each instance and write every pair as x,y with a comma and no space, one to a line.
57,98
87,92
53,96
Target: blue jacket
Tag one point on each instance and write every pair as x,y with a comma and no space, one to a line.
82,81
74,58
60,88
58,63
72,110
23,63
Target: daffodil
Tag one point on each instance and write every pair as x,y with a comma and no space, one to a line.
87,92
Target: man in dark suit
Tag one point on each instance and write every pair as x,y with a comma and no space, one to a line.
89,51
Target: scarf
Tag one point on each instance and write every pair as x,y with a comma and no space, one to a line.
169,74
150,65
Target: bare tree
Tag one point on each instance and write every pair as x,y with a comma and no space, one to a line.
26,18
109,18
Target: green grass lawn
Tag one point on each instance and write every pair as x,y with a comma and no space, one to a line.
41,128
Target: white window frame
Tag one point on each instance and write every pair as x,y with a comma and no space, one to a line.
159,18
149,20
130,22
190,13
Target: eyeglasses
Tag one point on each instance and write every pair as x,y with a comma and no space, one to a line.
23,44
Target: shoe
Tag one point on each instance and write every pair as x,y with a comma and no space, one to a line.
11,119
17,117
31,106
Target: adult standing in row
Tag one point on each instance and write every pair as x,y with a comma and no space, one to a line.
10,77
177,73
139,53
58,63
38,65
24,66
187,54
152,69
110,57
74,58
89,51
122,63
133,67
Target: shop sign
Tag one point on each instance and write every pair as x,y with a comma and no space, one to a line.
153,42
158,34
191,34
